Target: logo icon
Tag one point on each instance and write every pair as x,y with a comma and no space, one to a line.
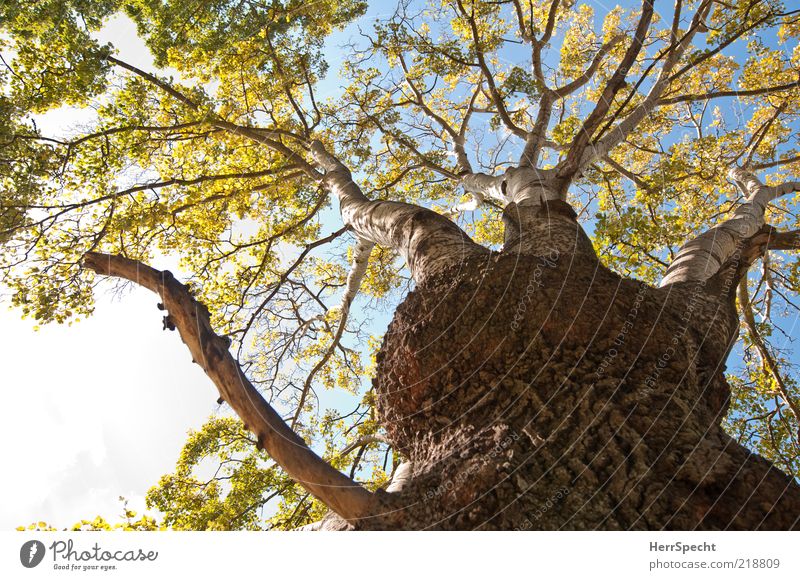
31,553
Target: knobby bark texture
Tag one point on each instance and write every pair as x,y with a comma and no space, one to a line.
531,388
546,392
536,389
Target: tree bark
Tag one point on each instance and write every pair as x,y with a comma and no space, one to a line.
210,351
427,241
546,392
531,388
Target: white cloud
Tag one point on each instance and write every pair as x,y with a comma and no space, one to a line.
93,411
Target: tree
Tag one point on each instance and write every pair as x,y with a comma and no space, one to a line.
535,375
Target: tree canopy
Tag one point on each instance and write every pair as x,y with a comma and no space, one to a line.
214,156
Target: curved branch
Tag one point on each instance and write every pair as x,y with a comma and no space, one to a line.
427,241
210,351
702,257
361,252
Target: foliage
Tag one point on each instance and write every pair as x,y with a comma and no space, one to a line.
206,160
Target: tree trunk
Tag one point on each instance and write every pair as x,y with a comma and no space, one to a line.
546,392
531,388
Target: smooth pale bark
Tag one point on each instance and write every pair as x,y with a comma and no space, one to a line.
515,185
486,186
603,146
702,257
339,492
475,201
358,270
537,220
536,139
427,241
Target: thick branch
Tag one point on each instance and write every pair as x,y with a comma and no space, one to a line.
210,351
673,54
536,138
485,186
517,184
702,257
426,240
784,240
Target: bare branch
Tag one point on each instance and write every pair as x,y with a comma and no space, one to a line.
364,441
731,93
638,181
497,98
538,44
571,164
426,240
485,186
673,54
776,163
784,240
536,139
458,140
161,184
361,252
210,351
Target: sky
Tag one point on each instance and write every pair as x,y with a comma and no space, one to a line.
99,409
93,411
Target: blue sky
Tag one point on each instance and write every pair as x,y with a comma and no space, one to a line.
101,408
